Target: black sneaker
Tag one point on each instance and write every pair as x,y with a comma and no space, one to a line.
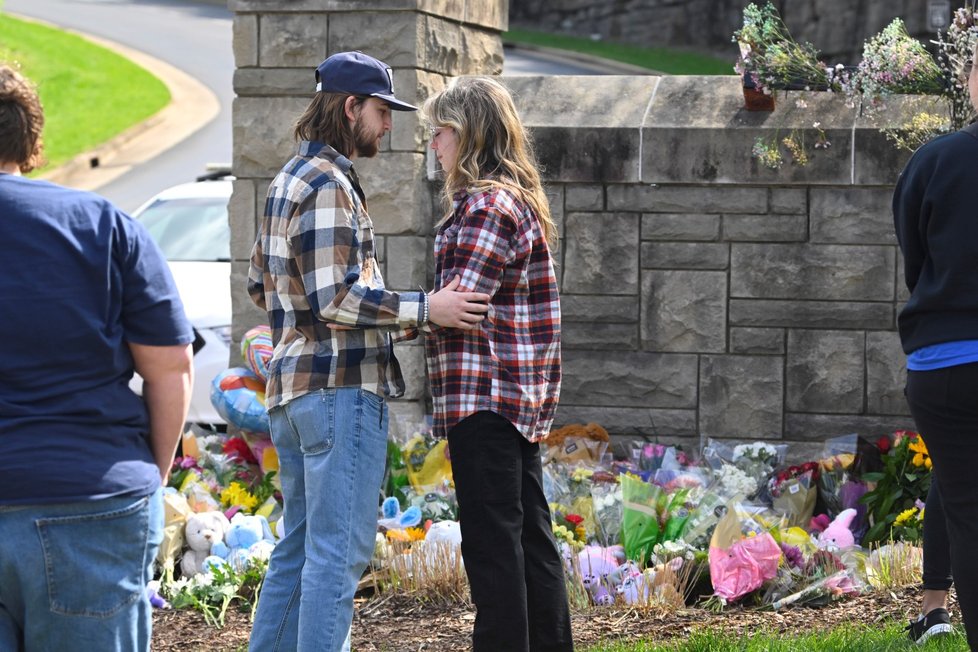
935,623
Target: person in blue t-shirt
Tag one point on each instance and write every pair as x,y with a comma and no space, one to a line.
936,222
86,299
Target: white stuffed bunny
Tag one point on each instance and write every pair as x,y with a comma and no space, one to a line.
202,531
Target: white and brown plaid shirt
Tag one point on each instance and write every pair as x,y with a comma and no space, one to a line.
314,263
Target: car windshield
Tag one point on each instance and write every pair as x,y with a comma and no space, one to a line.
190,229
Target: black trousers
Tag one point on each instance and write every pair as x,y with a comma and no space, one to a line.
937,547
944,404
514,568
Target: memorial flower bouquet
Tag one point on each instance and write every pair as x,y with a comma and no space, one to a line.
954,51
569,527
757,458
909,524
814,580
650,515
743,555
793,492
904,480
895,62
607,500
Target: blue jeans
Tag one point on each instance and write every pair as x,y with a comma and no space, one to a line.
73,576
331,446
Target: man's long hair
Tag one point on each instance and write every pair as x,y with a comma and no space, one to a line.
325,121
21,121
494,149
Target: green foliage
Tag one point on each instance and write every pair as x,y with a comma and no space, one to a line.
650,516
213,592
904,480
866,637
264,488
664,60
89,94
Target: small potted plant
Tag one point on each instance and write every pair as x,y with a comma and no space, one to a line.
770,59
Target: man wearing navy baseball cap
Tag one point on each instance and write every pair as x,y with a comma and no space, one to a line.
314,271
359,74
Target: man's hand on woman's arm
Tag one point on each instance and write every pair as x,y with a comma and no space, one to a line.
457,309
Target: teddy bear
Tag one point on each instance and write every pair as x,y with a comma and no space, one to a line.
202,531
838,535
249,537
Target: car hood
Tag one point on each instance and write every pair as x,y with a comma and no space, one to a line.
205,289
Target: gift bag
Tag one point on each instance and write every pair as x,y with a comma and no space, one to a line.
576,444
426,461
176,509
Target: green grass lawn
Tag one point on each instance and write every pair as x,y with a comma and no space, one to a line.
851,638
89,93
666,60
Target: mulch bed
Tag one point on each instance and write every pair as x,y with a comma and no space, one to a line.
399,623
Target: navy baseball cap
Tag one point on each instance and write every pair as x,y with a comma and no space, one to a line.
359,74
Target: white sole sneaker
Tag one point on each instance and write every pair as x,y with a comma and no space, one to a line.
936,630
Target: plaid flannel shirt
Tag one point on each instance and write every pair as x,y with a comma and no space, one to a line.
314,263
511,363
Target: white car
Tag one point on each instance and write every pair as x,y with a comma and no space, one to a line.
189,222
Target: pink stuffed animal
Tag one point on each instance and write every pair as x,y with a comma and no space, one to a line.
838,535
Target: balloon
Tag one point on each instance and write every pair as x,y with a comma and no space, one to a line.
256,349
238,395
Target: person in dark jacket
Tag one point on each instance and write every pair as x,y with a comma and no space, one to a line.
936,222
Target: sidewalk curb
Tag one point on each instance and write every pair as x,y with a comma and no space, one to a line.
192,105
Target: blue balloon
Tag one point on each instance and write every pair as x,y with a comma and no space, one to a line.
238,395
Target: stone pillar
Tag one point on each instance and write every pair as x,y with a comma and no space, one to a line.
277,46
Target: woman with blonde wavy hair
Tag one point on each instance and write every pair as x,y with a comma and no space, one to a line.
495,388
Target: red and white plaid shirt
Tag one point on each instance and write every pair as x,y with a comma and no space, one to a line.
511,363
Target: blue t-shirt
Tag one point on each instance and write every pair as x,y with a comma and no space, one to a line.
79,279
945,354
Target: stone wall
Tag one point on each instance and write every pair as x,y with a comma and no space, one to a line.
702,294
838,28
277,46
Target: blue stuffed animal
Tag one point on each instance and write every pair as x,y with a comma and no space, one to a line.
394,519
248,538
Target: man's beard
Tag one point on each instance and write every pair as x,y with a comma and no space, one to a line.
364,142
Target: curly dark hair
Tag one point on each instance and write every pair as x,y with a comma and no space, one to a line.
21,121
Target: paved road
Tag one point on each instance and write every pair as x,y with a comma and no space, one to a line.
196,38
